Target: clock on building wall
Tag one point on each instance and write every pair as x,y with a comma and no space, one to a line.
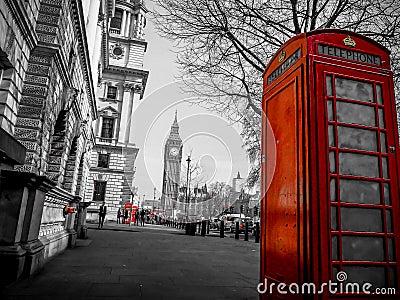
174,151
116,51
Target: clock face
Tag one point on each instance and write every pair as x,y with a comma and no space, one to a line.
173,152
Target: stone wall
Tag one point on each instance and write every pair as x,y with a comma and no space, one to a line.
56,228
16,44
116,176
47,103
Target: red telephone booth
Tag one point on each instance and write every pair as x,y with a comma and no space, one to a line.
128,208
331,211
133,216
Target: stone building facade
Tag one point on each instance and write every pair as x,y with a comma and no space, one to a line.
47,106
122,81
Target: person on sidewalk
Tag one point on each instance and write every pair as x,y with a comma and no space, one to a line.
102,214
137,216
119,216
142,215
126,215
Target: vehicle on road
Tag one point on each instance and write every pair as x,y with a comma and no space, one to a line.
242,221
215,223
228,219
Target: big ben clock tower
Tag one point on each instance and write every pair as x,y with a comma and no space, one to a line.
172,168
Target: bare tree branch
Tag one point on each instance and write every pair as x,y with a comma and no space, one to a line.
224,46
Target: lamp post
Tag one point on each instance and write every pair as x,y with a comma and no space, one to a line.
187,187
154,199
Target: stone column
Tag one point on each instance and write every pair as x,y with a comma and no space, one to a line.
125,113
135,102
81,225
132,27
38,187
21,204
123,22
128,24
70,222
97,50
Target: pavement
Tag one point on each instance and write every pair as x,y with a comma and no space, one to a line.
151,262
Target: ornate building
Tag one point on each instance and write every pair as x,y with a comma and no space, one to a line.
47,104
121,85
172,169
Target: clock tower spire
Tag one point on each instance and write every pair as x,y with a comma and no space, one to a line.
172,169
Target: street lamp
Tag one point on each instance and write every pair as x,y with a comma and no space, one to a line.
154,199
187,188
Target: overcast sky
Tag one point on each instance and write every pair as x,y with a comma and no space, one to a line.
208,137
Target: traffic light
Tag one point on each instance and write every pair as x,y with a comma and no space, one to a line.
241,208
255,211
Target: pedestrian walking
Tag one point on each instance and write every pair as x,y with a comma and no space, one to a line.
142,215
137,216
102,214
125,215
119,214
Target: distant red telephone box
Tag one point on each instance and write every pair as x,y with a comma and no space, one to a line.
331,212
133,216
128,208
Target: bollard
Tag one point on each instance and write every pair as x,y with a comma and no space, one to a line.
237,231
192,228
187,228
203,228
221,229
246,231
257,236
208,226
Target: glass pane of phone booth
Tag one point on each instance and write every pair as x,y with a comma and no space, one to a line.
362,237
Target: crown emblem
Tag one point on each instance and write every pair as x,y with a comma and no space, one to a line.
282,56
348,41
